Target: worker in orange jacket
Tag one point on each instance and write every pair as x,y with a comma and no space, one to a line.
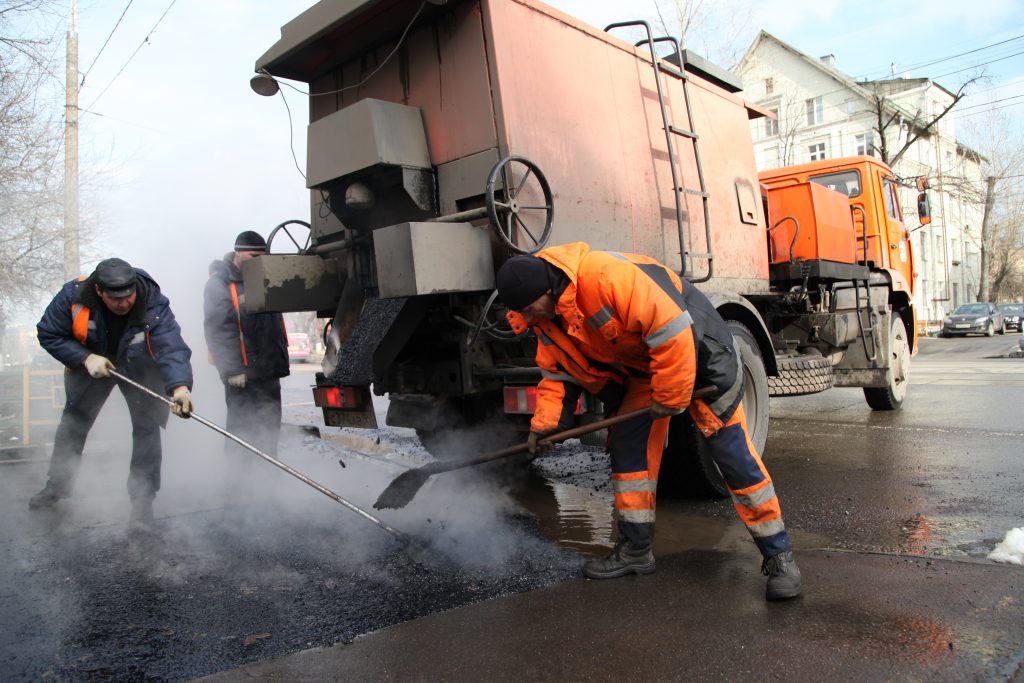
626,329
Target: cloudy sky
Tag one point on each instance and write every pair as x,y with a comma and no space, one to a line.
186,156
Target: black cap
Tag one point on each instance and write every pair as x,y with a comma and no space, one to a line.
522,280
250,240
116,278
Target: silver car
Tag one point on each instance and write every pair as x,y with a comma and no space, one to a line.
979,318
1013,316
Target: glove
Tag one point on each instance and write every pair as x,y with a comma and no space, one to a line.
98,366
659,411
182,402
237,381
534,445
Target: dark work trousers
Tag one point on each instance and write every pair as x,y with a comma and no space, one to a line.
254,415
85,398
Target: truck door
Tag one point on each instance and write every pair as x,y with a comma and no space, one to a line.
897,244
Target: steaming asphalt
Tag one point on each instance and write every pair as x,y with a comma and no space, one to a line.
246,563
892,517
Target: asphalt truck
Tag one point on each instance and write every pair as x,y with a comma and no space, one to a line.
447,135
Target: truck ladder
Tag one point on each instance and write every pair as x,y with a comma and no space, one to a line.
671,133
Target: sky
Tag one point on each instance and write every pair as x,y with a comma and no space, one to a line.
179,155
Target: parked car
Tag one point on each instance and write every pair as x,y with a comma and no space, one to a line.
1013,316
979,318
298,347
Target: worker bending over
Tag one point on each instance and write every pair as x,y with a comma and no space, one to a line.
116,318
626,329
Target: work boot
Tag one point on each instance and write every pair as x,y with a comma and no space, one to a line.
783,576
624,559
141,517
46,498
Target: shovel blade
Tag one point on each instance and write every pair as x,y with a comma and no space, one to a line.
402,490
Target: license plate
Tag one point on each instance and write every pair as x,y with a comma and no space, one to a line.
963,326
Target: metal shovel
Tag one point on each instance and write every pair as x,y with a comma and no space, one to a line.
405,486
272,460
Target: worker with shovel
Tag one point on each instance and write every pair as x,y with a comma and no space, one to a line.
627,329
114,318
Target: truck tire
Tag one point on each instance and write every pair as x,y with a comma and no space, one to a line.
687,470
755,388
891,397
801,375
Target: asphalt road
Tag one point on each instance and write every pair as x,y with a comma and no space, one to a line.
249,565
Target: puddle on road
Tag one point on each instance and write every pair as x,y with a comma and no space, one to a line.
581,518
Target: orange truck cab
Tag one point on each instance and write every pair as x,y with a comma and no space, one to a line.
842,211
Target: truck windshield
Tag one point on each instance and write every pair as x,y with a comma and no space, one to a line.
847,182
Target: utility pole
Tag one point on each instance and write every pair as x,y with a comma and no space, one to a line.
72,267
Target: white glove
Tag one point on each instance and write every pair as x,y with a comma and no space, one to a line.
182,402
98,366
237,381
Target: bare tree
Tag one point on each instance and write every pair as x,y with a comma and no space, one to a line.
998,192
31,171
717,30
890,116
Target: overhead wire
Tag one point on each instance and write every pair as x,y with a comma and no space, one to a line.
143,43
105,42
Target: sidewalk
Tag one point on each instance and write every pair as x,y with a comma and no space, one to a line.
702,616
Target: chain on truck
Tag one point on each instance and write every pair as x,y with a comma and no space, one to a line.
446,136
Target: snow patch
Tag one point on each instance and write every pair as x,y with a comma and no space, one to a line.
1011,549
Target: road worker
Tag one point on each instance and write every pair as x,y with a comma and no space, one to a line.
116,318
626,329
250,350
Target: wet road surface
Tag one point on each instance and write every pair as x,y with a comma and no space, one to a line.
891,515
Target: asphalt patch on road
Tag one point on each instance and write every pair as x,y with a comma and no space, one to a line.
203,593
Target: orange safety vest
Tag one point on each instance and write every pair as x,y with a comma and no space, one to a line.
241,336
618,322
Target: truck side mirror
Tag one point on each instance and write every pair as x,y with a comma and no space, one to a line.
924,210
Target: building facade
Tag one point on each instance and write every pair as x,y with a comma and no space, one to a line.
822,113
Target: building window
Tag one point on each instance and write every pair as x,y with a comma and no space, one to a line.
851,107
769,86
817,151
815,111
866,143
771,126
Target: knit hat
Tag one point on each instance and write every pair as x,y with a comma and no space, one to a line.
522,280
115,277
250,240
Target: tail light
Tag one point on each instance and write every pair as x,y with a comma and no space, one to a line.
335,397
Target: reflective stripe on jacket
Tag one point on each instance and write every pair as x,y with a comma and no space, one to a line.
625,315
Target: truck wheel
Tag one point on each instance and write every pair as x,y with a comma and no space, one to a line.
687,471
891,397
755,387
800,375
686,468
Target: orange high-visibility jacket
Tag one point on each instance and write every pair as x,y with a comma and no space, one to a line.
624,315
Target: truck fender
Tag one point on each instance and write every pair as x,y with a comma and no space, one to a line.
735,307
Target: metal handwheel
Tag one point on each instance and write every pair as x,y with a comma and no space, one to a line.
523,209
303,233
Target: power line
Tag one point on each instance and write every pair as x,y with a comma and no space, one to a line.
144,42
910,67
975,66
105,43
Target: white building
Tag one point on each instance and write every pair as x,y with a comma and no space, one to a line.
823,113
